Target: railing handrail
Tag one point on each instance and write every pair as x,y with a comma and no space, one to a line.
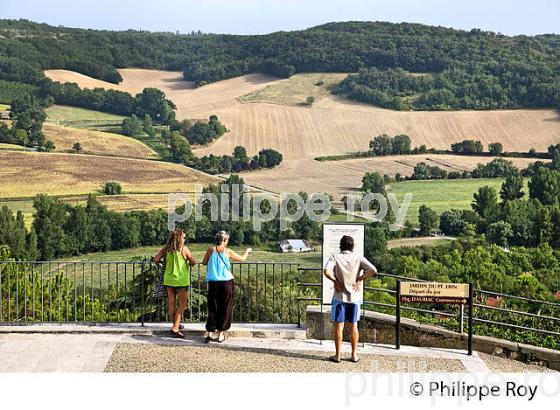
390,275
444,313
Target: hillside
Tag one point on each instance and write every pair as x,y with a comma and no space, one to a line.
26,174
269,118
96,142
469,69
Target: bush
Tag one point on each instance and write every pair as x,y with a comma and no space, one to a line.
112,188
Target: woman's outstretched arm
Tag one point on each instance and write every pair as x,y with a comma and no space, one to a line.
239,258
159,256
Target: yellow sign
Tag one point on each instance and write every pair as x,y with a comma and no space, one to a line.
434,292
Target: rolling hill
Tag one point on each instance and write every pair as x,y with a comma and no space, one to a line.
331,126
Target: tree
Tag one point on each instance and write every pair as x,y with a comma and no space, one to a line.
451,222
381,145
13,233
428,220
240,153
49,146
495,149
375,242
152,102
499,233
112,188
201,133
50,217
77,147
544,185
131,126
373,182
467,147
485,203
148,126
401,144
180,148
512,188
269,158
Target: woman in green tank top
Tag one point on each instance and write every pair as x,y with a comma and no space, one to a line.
176,277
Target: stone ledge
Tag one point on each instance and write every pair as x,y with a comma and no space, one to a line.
241,330
380,328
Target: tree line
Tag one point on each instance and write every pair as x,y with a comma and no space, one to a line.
27,114
464,69
60,229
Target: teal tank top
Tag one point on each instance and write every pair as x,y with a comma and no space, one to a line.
219,267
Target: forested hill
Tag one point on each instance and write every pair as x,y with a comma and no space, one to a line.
464,69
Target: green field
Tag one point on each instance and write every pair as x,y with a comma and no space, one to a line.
198,249
11,147
295,90
442,194
81,117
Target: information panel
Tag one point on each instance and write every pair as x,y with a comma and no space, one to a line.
433,292
332,233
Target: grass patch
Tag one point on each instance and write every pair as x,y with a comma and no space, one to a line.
421,241
295,90
81,117
11,147
440,195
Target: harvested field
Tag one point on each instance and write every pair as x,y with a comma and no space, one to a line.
332,126
192,102
97,142
340,177
25,174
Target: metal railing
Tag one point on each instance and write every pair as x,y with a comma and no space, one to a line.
273,292
544,324
98,292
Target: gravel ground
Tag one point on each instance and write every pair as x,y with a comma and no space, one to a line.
500,364
133,358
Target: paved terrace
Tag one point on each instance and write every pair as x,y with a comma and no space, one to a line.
250,348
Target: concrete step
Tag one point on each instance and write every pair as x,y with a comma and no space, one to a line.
241,330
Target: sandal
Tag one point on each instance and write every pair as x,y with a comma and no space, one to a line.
334,359
218,339
208,339
356,360
178,334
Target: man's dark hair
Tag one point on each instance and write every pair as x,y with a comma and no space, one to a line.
346,243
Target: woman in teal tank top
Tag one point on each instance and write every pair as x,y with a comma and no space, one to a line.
176,277
220,286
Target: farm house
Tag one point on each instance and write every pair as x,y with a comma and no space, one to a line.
295,246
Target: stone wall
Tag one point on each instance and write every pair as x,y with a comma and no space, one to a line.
380,328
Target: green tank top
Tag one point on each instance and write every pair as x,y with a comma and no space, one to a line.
177,270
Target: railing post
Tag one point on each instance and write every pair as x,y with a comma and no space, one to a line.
298,283
470,336
143,266
398,318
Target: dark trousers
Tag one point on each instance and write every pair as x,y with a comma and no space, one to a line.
220,305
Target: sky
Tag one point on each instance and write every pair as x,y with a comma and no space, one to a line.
264,16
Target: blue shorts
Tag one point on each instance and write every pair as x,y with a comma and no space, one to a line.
345,312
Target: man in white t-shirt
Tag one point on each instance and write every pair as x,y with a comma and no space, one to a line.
347,270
